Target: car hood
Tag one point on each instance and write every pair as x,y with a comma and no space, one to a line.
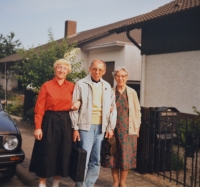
6,123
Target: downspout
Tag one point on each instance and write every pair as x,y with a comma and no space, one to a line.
132,40
142,85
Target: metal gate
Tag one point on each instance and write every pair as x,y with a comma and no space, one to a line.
169,145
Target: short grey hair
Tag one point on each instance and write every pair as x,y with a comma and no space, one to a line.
120,68
98,61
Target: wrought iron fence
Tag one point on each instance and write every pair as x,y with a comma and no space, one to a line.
169,145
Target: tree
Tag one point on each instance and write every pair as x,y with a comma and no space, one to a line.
1,46
197,121
8,46
36,66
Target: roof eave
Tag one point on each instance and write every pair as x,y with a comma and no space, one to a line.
11,58
104,45
141,24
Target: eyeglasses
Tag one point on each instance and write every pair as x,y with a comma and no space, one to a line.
59,68
122,76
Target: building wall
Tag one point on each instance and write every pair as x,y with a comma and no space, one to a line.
115,54
11,84
173,80
172,34
83,58
128,56
133,60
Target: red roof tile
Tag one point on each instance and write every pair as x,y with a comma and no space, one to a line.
174,7
103,34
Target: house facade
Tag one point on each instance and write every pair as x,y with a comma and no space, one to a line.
7,79
172,80
116,50
114,54
170,55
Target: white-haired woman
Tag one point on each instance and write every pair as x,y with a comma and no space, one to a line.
51,152
126,131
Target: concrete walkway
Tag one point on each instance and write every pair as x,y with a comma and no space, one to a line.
104,180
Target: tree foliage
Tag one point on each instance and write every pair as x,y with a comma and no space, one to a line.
196,111
8,46
36,66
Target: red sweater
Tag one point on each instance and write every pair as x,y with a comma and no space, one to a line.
53,96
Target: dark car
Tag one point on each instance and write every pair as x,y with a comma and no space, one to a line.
11,153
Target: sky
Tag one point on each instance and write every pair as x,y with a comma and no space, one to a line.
30,20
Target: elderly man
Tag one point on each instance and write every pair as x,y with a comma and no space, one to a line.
94,118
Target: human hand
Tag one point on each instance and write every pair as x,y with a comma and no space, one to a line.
138,132
76,136
38,134
76,105
109,134
111,109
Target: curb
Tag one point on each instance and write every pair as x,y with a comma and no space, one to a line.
26,177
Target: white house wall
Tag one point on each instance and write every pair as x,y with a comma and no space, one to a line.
83,58
128,56
115,54
173,80
11,84
133,62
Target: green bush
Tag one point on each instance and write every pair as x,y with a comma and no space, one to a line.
29,117
16,110
182,130
177,161
36,66
9,95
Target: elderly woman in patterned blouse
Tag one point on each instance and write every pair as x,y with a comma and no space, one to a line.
126,131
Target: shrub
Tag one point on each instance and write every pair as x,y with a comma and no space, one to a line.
16,110
177,161
9,95
29,117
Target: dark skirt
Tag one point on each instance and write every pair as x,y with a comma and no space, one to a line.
50,156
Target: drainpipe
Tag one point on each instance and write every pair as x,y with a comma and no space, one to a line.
132,40
142,85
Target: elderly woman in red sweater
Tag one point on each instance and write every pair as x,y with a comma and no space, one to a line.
51,152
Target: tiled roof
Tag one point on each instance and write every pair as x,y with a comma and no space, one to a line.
90,37
100,34
11,58
106,33
136,34
173,8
